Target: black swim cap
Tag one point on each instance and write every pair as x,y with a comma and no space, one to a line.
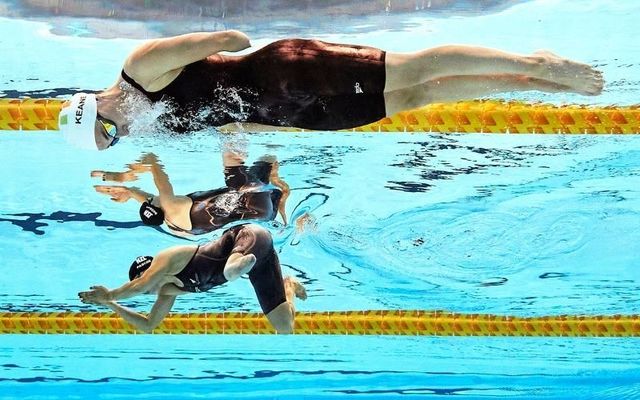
138,266
150,214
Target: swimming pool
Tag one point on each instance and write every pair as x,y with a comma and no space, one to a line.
513,224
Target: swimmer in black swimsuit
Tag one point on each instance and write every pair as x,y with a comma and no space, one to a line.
255,193
303,83
244,249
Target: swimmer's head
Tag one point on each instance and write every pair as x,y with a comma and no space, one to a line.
139,265
83,127
151,214
77,121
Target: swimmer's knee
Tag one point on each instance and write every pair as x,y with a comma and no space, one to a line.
261,235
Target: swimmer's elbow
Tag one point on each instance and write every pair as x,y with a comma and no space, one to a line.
148,326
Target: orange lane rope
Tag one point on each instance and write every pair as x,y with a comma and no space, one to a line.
461,117
381,322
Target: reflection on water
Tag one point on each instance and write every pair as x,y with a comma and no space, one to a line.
527,225
502,224
264,17
185,366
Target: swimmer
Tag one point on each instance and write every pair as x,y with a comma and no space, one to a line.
248,195
243,249
307,84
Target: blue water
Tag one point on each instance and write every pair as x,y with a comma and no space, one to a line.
511,224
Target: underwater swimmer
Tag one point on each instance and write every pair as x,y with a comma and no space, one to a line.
248,195
300,83
244,249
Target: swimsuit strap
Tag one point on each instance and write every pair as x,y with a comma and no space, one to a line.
132,82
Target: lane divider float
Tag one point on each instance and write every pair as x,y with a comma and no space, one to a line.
371,322
487,116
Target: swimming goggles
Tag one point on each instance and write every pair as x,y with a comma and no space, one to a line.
110,129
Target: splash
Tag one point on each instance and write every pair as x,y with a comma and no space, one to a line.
144,115
226,203
149,121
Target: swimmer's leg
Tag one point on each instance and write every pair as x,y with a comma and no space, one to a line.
275,179
464,87
282,316
409,69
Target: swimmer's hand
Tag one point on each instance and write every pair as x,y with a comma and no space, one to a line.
128,176
138,167
149,158
97,295
119,194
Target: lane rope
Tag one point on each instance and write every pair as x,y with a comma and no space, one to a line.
463,117
370,322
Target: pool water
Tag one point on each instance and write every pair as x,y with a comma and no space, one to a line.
508,224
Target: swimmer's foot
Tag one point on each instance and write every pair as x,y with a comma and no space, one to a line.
238,267
580,78
306,222
292,284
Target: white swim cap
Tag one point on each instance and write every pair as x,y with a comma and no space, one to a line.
77,121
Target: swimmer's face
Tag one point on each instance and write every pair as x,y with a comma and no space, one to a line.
106,133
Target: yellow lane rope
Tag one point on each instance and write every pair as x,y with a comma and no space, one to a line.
382,322
461,117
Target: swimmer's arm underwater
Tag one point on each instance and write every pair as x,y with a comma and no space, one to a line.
161,180
145,323
157,276
154,58
149,162
121,194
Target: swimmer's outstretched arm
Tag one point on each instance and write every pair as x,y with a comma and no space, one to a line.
158,275
149,162
145,323
155,276
121,194
161,180
155,58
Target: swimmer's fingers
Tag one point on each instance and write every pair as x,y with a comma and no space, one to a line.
97,295
115,176
87,301
119,194
104,189
138,168
128,176
87,297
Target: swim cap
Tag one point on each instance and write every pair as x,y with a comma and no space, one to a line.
77,121
138,266
150,214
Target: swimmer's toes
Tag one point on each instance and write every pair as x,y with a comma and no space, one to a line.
301,292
